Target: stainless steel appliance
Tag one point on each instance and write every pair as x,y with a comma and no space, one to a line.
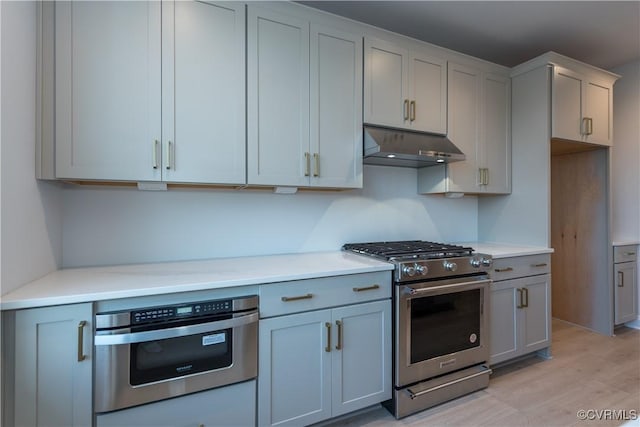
441,324
155,353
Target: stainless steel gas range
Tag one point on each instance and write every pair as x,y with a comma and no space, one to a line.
441,324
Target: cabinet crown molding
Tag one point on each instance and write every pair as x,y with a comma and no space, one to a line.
553,58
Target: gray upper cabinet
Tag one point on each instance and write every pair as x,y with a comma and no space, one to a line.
404,87
146,91
582,107
479,123
304,102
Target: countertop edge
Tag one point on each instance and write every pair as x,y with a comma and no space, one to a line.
499,250
44,293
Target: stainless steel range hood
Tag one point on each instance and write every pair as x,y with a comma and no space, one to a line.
393,147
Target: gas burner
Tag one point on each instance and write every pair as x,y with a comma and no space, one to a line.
408,250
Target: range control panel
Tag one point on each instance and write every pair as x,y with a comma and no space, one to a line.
181,311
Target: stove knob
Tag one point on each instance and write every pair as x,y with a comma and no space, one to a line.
421,269
487,262
409,270
450,266
476,263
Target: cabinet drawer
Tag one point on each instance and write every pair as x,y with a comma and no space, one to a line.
311,294
520,266
625,253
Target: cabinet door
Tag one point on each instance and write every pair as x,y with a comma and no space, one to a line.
536,316
278,99
108,115
53,387
428,93
203,98
464,126
336,108
504,329
496,134
294,383
625,292
597,108
566,105
361,356
386,77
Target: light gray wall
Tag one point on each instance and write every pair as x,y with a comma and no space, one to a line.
31,222
625,174
108,225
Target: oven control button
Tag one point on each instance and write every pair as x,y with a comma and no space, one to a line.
486,262
476,263
450,266
409,270
421,269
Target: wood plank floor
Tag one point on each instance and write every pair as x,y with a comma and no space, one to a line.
588,371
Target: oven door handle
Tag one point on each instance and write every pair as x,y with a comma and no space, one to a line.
180,331
412,291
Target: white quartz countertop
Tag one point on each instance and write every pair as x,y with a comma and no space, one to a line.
76,285
506,250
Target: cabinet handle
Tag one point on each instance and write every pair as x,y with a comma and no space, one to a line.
587,126
81,326
307,164
620,279
155,153
297,298
480,176
629,253
366,288
316,158
169,155
520,304
328,347
542,264
503,270
339,345
525,293
405,109
486,176
412,109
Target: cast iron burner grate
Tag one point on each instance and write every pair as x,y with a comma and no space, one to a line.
408,249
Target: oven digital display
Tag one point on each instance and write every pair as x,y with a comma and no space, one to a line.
184,310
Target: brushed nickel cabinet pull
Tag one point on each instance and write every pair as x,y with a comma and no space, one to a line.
525,293
366,288
81,326
406,109
486,176
328,347
412,110
520,304
620,279
629,253
590,126
587,126
155,153
297,298
307,163
339,344
542,264
316,158
480,176
504,270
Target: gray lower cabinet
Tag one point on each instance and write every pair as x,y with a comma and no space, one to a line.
626,283
520,307
319,364
229,406
50,370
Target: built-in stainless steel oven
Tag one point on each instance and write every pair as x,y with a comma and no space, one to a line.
441,321
154,353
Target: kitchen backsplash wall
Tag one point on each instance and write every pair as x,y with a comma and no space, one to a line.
118,225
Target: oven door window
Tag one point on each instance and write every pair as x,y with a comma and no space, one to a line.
175,357
444,324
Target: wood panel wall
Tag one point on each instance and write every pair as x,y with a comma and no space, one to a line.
579,236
